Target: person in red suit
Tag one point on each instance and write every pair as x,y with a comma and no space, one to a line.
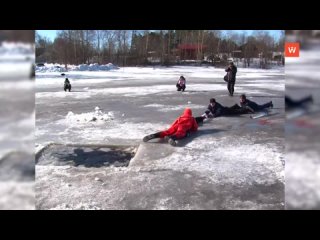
179,129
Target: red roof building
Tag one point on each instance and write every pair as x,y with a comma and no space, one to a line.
191,51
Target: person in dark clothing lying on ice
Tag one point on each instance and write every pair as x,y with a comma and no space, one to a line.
180,128
215,109
254,107
290,103
181,84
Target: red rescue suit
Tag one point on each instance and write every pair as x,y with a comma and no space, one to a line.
181,125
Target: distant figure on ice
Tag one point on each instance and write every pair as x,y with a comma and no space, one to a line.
180,128
67,85
290,103
215,109
231,77
181,84
252,106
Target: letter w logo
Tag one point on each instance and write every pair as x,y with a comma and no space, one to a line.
292,49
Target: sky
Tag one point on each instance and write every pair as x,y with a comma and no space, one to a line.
275,33
51,34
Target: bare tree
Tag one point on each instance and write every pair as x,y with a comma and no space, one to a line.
134,47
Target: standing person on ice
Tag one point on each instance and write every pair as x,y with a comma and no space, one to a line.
254,107
231,77
181,84
179,129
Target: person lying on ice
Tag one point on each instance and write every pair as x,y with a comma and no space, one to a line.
180,128
290,103
215,109
181,84
254,107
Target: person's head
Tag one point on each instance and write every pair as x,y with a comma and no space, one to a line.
243,98
182,77
231,64
212,101
187,112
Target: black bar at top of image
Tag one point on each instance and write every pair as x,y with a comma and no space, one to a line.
223,16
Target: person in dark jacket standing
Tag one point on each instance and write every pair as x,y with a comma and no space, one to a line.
252,106
231,77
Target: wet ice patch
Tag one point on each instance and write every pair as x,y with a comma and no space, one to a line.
168,108
124,131
134,130
229,160
89,156
62,94
149,74
274,86
154,105
89,132
158,89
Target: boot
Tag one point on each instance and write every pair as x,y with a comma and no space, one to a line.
172,142
151,136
